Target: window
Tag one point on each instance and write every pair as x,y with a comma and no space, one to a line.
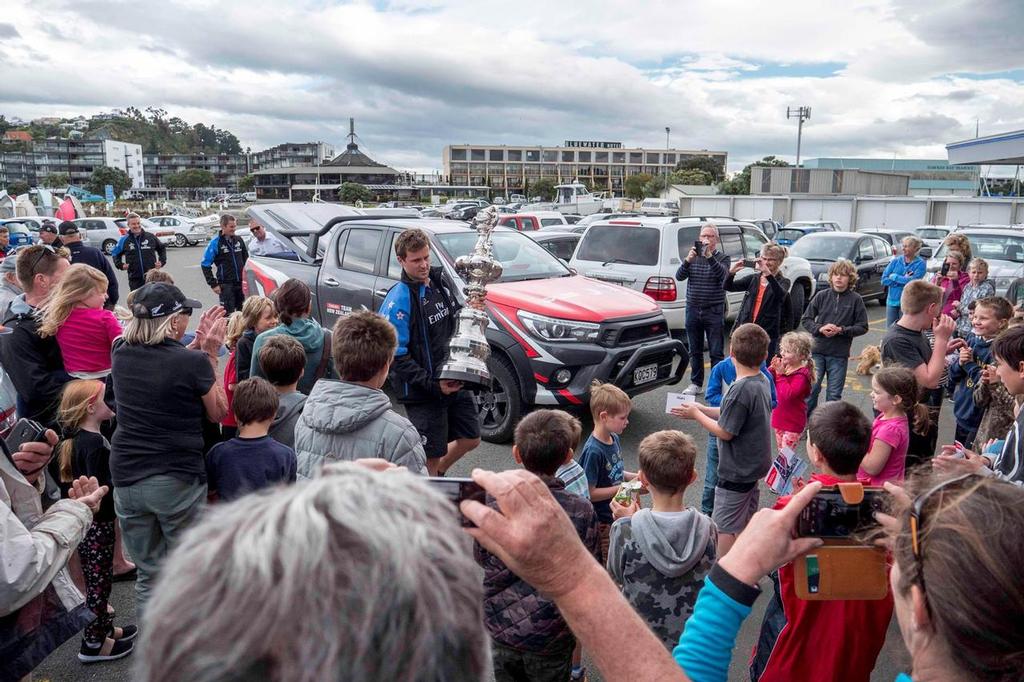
521,258
621,244
882,249
687,237
533,155
732,246
584,157
600,157
549,156
800,181
528,224
636,157
394,267
837,182
568,157
458,155
752,243
766,180
515,154
652,157
670,158
551,221
495,154
618,157
476,155
560,248
360,253
865,252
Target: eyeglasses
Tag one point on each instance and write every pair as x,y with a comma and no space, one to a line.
917,521
42,252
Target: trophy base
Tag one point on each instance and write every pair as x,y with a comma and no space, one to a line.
471,380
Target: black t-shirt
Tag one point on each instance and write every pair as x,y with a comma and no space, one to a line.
904,347
91,457
437,315
158,391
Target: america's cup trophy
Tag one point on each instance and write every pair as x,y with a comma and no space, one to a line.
468,350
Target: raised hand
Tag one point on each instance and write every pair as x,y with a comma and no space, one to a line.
88,491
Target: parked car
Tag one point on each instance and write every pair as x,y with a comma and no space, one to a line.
790,233
870,254
551,331
933,235
895,238
249,196
22,231
644,254
572,218
559,244
467,212
598,217
164,234
652,206
516,198
537,220
1001,247
769,226
102,233
187,232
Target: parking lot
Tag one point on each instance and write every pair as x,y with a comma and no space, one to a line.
648,415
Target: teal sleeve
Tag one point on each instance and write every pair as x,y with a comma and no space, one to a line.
705,647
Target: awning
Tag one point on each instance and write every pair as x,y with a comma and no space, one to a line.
334,187
1002,149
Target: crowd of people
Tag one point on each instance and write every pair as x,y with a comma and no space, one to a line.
281,527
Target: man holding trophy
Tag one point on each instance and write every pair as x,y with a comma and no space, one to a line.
424,309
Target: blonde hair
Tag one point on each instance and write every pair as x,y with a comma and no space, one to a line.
245,319
78,282
801,343
960,258
913,242
148,332
844,267
958,242
608,398
918,295
980,263
79,395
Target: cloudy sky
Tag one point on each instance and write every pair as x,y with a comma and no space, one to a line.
884,78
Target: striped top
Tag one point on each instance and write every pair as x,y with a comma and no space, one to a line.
574,478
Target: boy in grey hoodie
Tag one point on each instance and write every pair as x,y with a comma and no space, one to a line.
282,361
660,555
352,418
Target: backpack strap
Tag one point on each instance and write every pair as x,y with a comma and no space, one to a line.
325,357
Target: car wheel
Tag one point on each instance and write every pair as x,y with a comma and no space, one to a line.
180,240
883,297
501,406
108,246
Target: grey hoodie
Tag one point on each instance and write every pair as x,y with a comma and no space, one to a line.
660,560
289,409
342,421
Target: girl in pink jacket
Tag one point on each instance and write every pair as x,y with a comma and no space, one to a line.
794,377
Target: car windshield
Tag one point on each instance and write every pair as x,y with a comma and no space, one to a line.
791,235
629,244
926,233
824,247
992,247
521,258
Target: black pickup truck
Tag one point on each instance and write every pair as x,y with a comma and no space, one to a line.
551,331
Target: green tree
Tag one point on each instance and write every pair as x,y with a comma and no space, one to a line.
708,164
740,182
56,180
191,178
635,185
655,186
105,175
18,187
690,176
247,183
543,188
5,125
351,192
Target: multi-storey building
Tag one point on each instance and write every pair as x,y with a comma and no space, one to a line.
291,154
603,166
927,176
227,169
78,158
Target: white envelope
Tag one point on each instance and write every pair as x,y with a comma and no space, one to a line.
677,399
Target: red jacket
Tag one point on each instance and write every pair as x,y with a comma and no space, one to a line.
790,414
818,640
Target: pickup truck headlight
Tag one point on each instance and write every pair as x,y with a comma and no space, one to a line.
554,329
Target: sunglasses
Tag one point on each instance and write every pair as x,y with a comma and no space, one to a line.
917,519
42,252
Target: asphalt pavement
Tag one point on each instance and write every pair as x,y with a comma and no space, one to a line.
648,415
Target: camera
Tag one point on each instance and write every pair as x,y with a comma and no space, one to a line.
945,269
830,516
457,490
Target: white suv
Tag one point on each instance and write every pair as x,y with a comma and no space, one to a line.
645,253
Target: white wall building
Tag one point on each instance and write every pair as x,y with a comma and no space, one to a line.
127,157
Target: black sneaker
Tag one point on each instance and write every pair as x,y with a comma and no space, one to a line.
91,654
128,633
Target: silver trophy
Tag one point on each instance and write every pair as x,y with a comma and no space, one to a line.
468,350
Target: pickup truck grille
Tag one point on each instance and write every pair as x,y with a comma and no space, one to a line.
633,333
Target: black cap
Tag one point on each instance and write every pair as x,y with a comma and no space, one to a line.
67,227
160,299
48,226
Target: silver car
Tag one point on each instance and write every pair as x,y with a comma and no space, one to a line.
1002,248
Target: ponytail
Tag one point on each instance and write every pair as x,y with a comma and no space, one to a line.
900,382
65,449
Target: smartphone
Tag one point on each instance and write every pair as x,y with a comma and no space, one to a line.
749,262
25,431
945,269
457,490
699,247
829,516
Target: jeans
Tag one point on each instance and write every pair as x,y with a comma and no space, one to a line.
154,512
892,314
701,322
835,368
707,498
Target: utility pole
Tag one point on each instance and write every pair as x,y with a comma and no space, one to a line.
667,131
801,114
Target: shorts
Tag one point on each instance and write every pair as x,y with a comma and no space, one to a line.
439,423
733,509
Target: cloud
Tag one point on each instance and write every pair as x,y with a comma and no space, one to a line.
883,77
9,31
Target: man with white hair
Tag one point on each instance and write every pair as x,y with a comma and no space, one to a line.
704,270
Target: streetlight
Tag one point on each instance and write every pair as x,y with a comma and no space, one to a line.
801,114
667,131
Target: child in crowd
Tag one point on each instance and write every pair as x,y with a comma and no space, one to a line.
256,316
991,316
282,361
894,397
743,427
85,330
252,460
530,641
601,457
228,425
352,418
660,555
1000,407
952,282
823,640
834,317
793,376
723,374
159,275
87,453
979,287
571,473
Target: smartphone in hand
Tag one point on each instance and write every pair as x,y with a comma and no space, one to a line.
829,516
457,490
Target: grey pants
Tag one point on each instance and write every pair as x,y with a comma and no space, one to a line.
154,513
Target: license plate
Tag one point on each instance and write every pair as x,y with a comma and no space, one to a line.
645,374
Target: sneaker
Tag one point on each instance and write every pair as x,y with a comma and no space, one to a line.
128,633
693,389
90,653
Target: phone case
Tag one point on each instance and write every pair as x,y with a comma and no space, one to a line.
842,569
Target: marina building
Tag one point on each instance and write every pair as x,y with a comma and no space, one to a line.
227,169
927,176
78,158
291,154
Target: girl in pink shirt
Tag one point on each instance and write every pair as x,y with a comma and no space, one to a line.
84,330
894,395
794,377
